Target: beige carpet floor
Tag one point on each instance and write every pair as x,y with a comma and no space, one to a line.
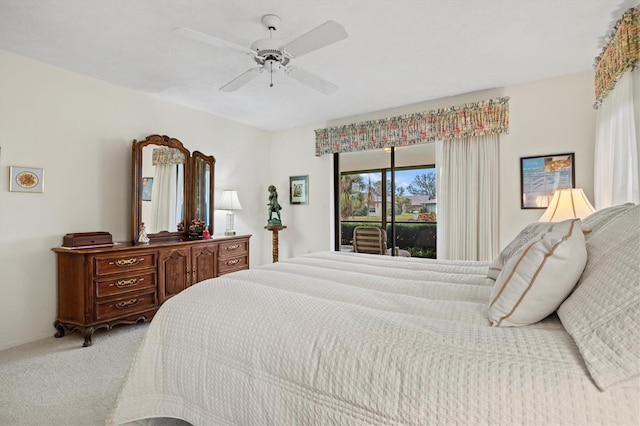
58,382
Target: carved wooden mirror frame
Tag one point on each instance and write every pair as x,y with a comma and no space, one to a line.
195,195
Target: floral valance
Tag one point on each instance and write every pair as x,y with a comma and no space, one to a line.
474,119
167,156
621,54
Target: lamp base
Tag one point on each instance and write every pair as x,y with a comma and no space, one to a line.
229,230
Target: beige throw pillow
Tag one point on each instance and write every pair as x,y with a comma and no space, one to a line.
539,276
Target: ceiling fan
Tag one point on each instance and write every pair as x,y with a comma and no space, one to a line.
272,54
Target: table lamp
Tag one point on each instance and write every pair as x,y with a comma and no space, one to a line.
229,202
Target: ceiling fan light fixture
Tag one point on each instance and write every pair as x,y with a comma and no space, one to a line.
272,65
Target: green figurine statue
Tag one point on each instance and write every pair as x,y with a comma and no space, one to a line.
274,207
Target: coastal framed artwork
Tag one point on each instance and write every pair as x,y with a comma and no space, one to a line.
299,189
540,176
26,179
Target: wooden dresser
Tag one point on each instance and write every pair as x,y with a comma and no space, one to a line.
126,284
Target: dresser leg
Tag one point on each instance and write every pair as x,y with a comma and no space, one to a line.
60,329
88,334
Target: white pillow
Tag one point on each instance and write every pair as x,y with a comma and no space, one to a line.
529,233
537,279
596,220
603,313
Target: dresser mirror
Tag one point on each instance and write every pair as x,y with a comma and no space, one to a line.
170,188
203,186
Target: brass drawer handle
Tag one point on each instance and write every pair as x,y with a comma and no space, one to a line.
127,283
233,247
232,262
126,303
127,262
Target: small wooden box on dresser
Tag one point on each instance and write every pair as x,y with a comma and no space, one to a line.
125,284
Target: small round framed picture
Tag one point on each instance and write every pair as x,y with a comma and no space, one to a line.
26,179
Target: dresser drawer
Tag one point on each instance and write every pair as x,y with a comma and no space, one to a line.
228,265
233,248
121,284
124,262
127,305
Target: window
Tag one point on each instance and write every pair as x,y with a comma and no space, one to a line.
365,198
361,196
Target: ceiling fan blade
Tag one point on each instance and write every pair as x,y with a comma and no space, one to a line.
311,80
328,33
241,80
210,40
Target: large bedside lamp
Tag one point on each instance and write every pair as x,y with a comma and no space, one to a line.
566,204
229,202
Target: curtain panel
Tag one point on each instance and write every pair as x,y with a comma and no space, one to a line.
617,85
164,195
468,187
490,117
621,54
616,173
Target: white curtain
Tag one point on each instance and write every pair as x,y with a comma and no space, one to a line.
468,198
163,199
617,147
166,198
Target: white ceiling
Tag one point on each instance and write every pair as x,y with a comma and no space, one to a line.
397,53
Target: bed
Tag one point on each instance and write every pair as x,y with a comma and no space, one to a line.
346,338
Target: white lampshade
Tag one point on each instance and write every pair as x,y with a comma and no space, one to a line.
229,201
566,204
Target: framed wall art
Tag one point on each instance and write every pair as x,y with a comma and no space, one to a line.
147,185
540,177
26,179
299,189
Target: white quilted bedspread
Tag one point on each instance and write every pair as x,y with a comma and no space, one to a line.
343,338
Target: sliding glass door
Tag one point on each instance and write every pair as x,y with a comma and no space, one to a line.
398,196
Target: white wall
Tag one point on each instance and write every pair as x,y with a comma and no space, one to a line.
309,227
79,130
546,117
553,116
